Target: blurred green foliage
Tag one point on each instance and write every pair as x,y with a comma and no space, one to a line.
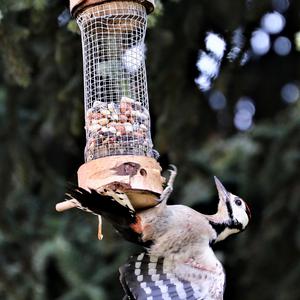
46,255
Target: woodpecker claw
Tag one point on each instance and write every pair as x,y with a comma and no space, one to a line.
173,173
169,188
172,168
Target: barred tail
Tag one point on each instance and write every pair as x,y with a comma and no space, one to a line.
146,277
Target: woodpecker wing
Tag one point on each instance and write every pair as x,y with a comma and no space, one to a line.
122,217
145,277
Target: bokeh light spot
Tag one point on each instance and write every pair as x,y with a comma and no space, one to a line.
290,93
273,22
244,112
260,42
203,82
297,40
134,57
246,103
282,46
215,44
217,100
208,65
238,42
243,120
281,5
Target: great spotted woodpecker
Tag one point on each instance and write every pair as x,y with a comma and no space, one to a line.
179,262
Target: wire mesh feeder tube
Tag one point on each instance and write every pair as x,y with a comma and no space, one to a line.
117,119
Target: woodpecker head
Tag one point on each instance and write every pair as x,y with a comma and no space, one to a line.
233,213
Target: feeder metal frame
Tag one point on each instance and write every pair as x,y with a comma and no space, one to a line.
77,6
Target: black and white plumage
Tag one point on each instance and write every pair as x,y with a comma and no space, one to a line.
147,277
179,262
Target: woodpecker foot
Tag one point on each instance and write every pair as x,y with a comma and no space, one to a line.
169,188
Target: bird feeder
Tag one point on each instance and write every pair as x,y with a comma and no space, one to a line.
119,152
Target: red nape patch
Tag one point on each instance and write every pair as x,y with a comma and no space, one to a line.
137,226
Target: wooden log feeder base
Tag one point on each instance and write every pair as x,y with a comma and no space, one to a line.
138,177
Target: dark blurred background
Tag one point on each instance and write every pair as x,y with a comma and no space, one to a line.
224,79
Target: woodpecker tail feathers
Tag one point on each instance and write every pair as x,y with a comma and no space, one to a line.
148,277
122,217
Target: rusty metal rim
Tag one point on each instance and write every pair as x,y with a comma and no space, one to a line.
77,6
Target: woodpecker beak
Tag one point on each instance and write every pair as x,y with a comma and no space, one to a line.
223,194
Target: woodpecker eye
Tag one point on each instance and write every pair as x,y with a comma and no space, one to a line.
238,202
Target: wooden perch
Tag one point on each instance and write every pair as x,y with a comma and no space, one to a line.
65,205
